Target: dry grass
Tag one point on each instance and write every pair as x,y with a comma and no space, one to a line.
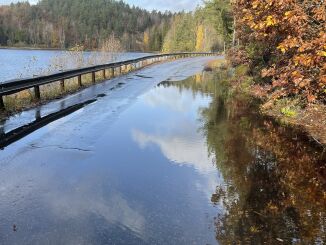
19,100
215,64
26,99
110,51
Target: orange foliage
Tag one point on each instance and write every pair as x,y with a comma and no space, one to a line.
294,34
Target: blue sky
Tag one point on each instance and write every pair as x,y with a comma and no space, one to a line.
173,5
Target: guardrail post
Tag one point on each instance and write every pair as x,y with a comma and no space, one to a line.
120,70
93,77
112,72
2,104
62,85
37,114
79,81
104,74
37,92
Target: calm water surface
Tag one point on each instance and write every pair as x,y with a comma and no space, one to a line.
187,163
16,63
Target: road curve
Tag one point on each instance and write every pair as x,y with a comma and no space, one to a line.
31,177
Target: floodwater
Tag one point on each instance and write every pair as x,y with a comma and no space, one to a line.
18,63
182,162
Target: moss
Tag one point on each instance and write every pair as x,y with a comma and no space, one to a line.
286,111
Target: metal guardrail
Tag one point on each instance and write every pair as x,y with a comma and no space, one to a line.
17,85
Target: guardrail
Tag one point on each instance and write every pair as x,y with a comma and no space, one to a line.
18,85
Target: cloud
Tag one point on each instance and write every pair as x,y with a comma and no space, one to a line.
180,149
170,5
6,2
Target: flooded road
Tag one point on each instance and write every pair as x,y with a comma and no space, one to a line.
166,155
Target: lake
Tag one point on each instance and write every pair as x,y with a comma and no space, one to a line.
184,162
16,63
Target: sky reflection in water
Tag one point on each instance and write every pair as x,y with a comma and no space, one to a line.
186,163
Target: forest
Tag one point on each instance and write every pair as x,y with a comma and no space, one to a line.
64,24
89,23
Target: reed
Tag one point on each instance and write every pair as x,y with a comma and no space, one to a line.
76,57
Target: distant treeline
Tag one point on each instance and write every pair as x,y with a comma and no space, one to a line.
89,23
65,23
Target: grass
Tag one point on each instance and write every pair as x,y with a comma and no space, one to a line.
26,98
215,64
288,112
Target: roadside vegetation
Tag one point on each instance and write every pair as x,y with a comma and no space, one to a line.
76,57
282,43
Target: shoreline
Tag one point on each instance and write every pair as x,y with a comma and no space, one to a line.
30,48
309,121
67,49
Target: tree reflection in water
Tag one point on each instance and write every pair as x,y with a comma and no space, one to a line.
276,178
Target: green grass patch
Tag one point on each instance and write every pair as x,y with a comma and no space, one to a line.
288,112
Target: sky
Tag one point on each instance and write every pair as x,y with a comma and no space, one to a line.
172,5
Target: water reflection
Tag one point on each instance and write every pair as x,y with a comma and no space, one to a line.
188,162
275,190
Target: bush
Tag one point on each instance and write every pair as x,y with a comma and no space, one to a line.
284,43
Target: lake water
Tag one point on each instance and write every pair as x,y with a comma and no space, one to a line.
16,63
186,163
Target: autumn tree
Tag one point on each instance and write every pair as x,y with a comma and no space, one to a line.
146,41
200,38
289,38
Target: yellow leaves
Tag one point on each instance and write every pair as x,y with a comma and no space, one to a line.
297,77
270,21
281,48
259,26
287,13
307,46
77,48
248,17
146,40
254,229
295,35
200,38
321,53
255,4
299,80
304,60
288,43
